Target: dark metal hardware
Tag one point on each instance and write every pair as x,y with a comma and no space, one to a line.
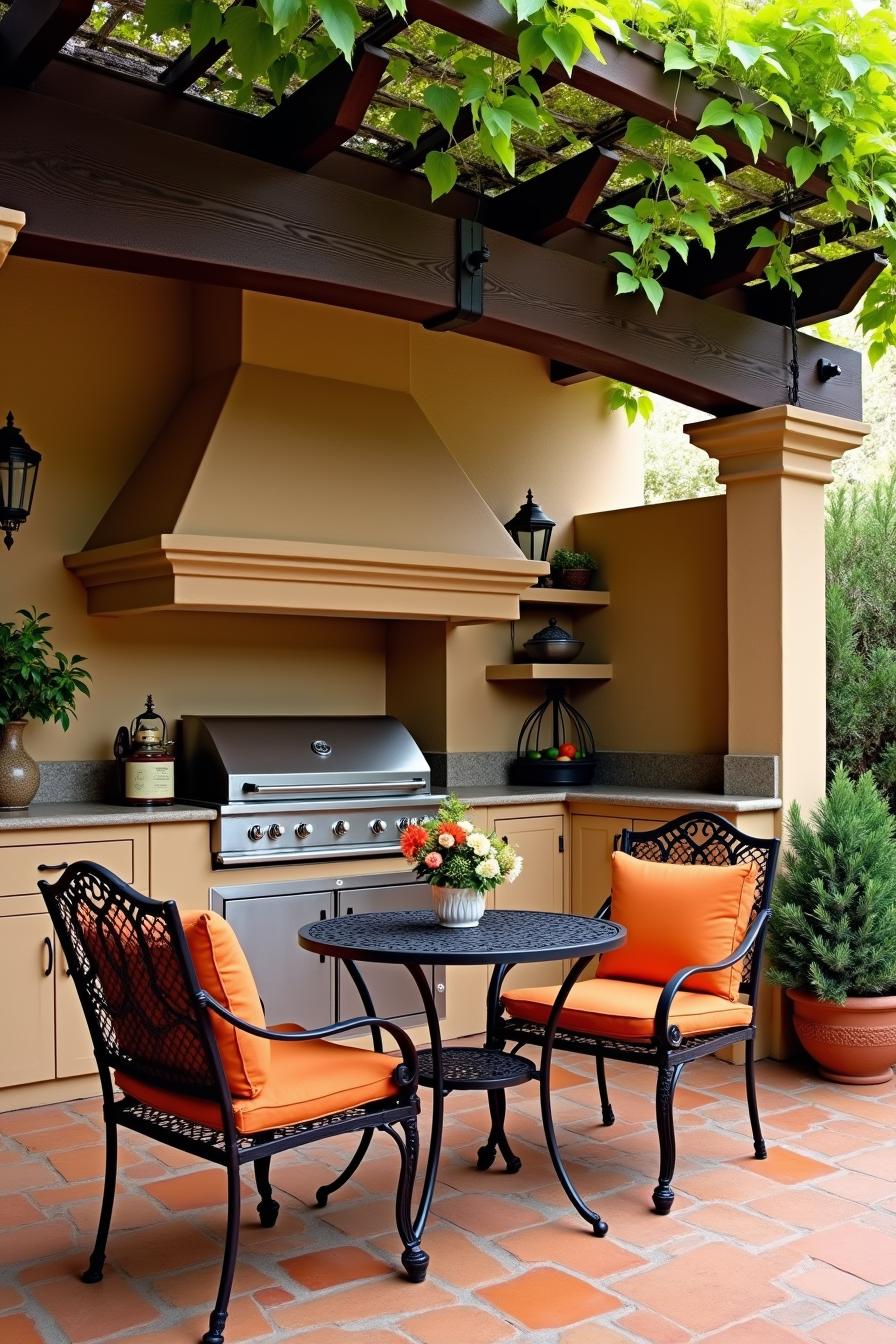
51,867
379,786
323,915
48,948
827,369
561,844
471,255
616,839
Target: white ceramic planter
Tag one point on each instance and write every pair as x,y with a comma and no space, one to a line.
457,907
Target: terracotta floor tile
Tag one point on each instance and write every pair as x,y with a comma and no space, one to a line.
35,1117
34,1241
94,1311
826,1142
16,1210
738,1224
128,1211
657,1329
569,1244
756,1331
801,1118
149,1251
728,1181
828,1283
876,1162
885,1306
863,1251
544,1299
720,1282
56,1267
27,1174
340,1264
787,1167
455,1257
337,1336
361,1220
854,1329
64,1193
808,1207
368,1301
19,1329
196,1287
245,1321
459,1325
9,1297
197,1190
82,1164
589,1334
856,1185
74,1135
488,1215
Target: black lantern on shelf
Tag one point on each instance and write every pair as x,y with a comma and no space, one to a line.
531,529
18,477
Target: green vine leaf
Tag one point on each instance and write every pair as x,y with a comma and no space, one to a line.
802,162
565,42
677,57
654,291
718,112
342,22
205,24
408,122
440,171
444,103
855,66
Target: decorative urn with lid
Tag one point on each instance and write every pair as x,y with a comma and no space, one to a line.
147,759
553,644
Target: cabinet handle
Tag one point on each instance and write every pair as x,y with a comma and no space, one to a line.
504,838
617,838
48,948
51,867
323,915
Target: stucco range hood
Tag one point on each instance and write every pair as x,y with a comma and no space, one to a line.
276,490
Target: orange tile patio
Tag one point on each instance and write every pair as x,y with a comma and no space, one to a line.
802,1247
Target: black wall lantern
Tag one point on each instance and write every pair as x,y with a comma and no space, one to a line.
18,477
531,529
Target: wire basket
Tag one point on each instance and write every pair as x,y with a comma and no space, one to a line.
554,724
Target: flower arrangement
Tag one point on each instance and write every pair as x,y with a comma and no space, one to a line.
449,852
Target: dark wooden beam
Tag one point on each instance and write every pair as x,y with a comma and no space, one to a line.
734,262
829,290
33,32
629,79
554,201
323,113
191,65
108,193
565,375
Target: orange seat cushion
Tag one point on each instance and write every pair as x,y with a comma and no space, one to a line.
306,1080
223,971
679,915
625,1010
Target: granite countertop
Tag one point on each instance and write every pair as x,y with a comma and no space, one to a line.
45,816
510,795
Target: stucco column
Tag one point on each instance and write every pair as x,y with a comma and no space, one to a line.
775,463
11,222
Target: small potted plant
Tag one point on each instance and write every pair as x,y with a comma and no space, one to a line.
572,569
36,682
832,937
460,863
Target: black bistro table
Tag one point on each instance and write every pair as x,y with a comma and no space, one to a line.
503,938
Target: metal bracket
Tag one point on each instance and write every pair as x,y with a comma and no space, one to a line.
827,369
471,254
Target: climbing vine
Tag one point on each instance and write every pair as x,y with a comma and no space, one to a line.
826,69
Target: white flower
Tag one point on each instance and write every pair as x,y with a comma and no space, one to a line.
466,826
479,843
487,868
446,840
515,869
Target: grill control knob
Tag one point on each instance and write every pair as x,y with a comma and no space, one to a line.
303,830
256,832
402,822
341,827
377,826
275,831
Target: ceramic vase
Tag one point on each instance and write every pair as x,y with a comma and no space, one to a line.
852,1042
457,907
19,774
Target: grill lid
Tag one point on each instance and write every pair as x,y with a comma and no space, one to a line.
246,758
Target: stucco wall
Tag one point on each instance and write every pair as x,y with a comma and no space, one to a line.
665,631
93,363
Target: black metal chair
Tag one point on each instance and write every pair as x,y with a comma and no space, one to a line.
150,1019
697,838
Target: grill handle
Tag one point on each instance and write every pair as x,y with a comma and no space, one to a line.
380,786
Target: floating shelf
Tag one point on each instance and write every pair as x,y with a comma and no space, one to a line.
564,597
549,672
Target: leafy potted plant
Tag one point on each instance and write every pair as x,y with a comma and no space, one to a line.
572,569
832,937
460,863
36,682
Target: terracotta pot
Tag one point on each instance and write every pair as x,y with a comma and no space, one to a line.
19,774
572,578
853,1042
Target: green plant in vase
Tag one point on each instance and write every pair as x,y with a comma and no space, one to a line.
572,569
36,682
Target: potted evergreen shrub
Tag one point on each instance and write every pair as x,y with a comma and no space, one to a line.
832,937
36,682
572,569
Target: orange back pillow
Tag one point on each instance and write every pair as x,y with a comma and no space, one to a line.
679,915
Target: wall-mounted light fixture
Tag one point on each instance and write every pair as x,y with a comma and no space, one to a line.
531,529
18,476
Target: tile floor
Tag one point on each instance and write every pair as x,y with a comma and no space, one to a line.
800,1247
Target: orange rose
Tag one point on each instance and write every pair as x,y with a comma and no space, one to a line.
413,839
457,833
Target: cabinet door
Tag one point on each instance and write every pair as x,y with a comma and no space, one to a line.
295,985
593,842
74,1048
392,990
539,886
27,999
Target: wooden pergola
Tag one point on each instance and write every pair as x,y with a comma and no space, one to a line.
120,159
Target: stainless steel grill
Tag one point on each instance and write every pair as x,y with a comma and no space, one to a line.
289,788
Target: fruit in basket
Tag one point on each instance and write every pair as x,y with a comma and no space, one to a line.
564,757
533,755
552,753
568,749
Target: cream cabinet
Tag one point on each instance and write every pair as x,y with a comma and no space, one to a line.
540,839
27,999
